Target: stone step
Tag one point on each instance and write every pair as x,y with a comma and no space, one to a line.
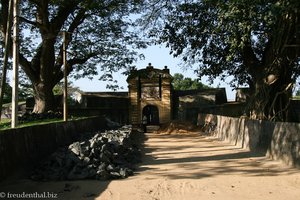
152,128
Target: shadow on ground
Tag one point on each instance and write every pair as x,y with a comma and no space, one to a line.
197,156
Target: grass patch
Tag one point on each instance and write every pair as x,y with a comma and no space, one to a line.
6,123
296,98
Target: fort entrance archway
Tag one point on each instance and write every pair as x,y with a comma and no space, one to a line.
152,114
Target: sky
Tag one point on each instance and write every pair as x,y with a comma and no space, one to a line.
159,57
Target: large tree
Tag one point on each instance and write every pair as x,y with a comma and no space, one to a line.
99,36
255,41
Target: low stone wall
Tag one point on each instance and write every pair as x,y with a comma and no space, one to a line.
22,148
278,140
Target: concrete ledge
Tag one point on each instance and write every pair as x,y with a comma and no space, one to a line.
278,140
22,148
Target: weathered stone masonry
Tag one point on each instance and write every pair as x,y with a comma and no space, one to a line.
150,95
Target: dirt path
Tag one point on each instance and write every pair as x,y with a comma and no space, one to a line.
185,167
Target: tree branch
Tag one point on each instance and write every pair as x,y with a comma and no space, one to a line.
3,16
64,11
271,108
42,17
75,23
70,64
36,24
37,2
76,61
26,66
249,58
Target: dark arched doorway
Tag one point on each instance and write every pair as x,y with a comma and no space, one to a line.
152,114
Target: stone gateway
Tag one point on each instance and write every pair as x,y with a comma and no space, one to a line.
150,95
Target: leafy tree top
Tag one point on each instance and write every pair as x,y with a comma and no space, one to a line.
99,35
183,83
228,37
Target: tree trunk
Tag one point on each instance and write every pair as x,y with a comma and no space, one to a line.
271,97
280,93
44,98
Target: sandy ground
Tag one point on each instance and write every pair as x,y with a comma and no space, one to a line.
183,167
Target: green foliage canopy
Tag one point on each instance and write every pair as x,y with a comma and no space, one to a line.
183,83
227,37
257,42
100,37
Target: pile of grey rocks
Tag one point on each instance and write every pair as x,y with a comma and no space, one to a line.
110,154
